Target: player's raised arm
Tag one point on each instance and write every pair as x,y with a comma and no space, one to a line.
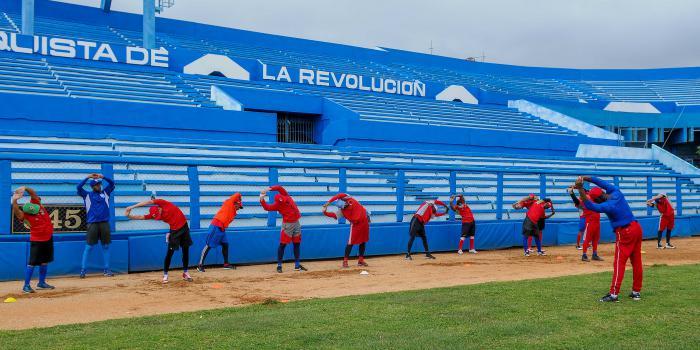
16,210
128,210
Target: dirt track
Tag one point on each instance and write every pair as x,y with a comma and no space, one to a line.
100,298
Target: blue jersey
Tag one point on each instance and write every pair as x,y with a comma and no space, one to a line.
615,207
96,203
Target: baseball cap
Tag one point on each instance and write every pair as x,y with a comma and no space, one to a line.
595,192
154,213
30,208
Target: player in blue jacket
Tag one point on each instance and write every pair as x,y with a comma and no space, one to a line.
98,214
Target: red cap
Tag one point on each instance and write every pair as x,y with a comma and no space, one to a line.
595,192
154,213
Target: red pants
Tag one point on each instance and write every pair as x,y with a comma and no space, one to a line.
627,246
359,232
529,240
591,235
666,222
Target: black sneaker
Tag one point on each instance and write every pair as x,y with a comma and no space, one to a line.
408,257
584,257
636,296
670,246
279,269
229,267
200,268
300,268
597,258
609,298
429,256
659,246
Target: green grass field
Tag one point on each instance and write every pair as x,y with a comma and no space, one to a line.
549,313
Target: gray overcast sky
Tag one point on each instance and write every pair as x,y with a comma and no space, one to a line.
553,33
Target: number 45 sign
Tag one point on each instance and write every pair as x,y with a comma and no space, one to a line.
66,218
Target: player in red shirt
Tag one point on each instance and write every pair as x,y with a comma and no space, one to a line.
350,209
291,227
667,219
216,235
591,226
468,225
37,218
534,220
426,211
178,236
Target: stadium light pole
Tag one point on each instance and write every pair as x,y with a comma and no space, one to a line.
28,17
149,24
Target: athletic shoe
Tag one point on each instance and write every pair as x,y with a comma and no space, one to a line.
408,257
670,246
578,247
596,257
473,251
659,246
429,256
186,276
609,298
44,285
82,273
300,268
362,263
165,279
584,257
541,253
527,253
279,269
345,264
229,267
27,289
460,252
636,296
108,273
200,268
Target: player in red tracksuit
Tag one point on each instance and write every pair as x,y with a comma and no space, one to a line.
628,231
350,209
468,225
667,219
591,228
291,228
581,218
426,211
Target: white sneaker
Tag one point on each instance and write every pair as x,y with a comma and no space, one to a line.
186,277
165,279
670,246
659,246
578,247
460,252
473,251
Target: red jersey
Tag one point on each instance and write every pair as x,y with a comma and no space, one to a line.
40,225
170,214
427,211
588,214
465,212
284,204
664,207
536,210
354,212
227,212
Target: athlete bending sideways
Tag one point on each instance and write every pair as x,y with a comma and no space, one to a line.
291,227
628,231
178,236
426,211
351,209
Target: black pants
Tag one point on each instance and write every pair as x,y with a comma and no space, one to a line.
206,249
348,249
169,256
417,229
